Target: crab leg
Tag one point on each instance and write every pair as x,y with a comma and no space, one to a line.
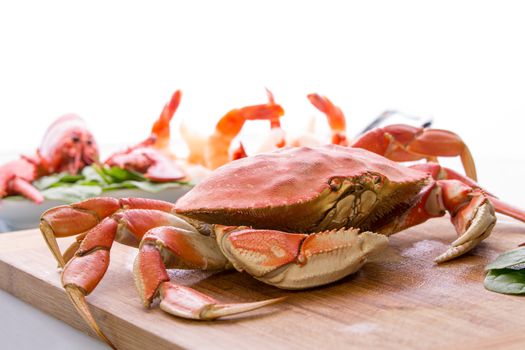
297,261
407,143
78,218
87,267
174,247
470,210
99,221
442,173
335,117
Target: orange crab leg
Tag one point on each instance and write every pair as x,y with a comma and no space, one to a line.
87,267
470,210
80,218
408,143
335,117
442,173
173,247
99,221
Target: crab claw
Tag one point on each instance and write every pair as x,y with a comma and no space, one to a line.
78,298
404,143
188,303
298,261
473,221
182,246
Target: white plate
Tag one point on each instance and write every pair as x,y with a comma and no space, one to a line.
19,214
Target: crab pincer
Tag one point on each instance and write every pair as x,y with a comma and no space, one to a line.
404,143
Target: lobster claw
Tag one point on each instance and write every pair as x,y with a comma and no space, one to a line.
16,177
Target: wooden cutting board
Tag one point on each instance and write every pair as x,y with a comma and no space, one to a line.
398,300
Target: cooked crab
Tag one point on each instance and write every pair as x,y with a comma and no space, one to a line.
294,218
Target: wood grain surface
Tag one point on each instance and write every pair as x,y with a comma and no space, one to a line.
399,300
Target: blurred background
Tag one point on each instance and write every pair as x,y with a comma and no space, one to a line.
116,64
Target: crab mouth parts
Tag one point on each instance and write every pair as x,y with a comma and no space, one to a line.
368,209
381,219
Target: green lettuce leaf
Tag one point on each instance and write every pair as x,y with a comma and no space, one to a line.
72,193
119,174
153,186
95,179
514,259
506,281
56,179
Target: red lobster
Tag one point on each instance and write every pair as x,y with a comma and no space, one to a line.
67,146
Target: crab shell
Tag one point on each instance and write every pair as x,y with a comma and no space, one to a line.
347,196
305,190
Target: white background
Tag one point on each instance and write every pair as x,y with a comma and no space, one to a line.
116,64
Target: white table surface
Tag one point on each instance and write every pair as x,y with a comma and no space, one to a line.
24,327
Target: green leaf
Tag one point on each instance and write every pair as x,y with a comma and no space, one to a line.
56,180
101,172
506,281
73,193
91,174
510,259
89,183
119,174
117,186
71,178
47,181
95,179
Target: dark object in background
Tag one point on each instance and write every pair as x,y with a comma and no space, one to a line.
390,117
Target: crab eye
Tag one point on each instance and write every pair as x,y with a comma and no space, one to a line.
75,139
89,142
335,184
